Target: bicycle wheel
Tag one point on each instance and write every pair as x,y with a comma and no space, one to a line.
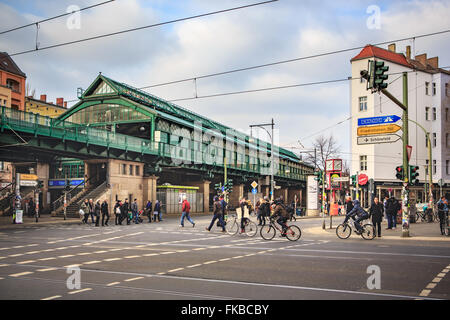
267,232
343,231
369,232
251,229
293,233
232,227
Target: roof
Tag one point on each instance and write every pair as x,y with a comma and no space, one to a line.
7,64
371,51
166,107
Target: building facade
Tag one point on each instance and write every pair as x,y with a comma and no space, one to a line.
428,105
44,108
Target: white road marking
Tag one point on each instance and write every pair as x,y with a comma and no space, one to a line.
15,275
51,298
79,291
133,279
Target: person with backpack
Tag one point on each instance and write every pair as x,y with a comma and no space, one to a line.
282,215
376,212
358,214
185,213
117,212
218,210
392,207
442,207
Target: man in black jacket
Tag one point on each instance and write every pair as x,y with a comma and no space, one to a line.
97,212
105,212
376,211
392,207
348,205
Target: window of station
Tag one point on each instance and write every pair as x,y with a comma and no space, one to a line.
106,113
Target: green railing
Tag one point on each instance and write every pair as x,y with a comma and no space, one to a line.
45,126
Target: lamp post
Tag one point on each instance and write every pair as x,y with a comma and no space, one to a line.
272,124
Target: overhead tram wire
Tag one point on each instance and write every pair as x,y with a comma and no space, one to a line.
290,60
55,17
142,28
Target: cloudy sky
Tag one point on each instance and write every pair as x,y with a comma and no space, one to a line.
282,30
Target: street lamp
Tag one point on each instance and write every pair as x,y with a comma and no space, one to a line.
262,126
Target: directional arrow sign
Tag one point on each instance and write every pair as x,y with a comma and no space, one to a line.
378,120
368,131
384,138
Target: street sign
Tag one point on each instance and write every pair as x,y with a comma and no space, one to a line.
441,182
378,120
385,138
363,179
24,176
254,191
254,184
383,129
340,179
28,183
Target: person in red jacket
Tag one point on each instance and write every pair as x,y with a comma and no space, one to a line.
185,210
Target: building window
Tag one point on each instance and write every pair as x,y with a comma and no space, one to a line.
434,140
434,166
131,170
427,88
434,88
434,114
2,166
447,164
363,163
137,171
427,112
426,168
363,104
124,169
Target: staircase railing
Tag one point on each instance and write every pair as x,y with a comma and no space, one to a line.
58,203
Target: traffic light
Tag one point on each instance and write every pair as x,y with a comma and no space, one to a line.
40,184
354,178
400,173
218,187
414,174
319,176
380,76
230,185
376,76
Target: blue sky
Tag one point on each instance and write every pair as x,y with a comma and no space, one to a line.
278,31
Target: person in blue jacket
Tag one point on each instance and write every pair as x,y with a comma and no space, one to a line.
358,214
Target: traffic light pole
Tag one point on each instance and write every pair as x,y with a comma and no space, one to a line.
405,191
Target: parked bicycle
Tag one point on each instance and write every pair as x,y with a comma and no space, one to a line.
344,231
233,225
268,232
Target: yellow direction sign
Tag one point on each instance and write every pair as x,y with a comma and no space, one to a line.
383,129
24,176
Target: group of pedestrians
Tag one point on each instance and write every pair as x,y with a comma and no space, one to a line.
89,209
123,211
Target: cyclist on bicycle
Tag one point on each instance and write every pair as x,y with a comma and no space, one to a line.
358,214
282,214
243,204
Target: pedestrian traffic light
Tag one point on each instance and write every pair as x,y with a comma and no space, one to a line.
414,174
380,76
400,173
40,184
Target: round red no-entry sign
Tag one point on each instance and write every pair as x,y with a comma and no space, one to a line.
363,179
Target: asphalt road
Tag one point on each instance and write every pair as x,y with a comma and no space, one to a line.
164,261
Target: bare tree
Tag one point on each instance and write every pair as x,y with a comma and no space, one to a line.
326,148
29,92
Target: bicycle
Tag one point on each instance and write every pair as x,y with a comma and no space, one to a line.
424,216
232,226
344,230
268,232
446,226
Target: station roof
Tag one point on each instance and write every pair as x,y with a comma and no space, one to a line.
165,107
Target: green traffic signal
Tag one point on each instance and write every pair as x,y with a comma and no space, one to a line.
354,178
380,76
414,174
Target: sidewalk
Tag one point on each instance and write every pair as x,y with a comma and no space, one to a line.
6,221
421,231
